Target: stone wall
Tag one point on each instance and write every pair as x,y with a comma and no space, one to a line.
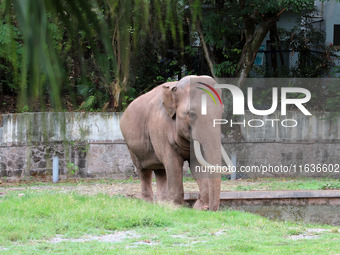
91,145
87,144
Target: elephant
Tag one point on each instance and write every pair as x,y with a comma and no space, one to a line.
159,128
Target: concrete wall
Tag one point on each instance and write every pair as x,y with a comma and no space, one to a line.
89,144
311,206
92,145
315,140
30,128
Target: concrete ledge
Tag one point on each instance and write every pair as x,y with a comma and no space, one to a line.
311,206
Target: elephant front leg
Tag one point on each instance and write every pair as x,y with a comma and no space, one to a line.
146,184
162,184
174,172
202,203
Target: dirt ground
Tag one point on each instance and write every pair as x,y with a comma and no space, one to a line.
92,187
131,188
88,188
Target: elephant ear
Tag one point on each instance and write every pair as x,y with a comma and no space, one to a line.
169,101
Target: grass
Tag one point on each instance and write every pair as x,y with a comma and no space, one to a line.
29,219
288,184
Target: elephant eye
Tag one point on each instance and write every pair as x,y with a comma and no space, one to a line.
192,115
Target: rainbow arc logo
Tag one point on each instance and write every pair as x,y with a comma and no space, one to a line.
209,93
204,97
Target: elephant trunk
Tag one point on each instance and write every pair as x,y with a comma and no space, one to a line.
214,179
208,155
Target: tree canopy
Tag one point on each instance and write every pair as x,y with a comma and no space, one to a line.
101,54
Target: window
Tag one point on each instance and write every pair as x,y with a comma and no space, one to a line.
336,36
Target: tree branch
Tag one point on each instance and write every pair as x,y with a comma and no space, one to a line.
205,48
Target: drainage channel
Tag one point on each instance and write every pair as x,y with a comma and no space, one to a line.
311,206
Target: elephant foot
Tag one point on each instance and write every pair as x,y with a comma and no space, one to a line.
179,201
148,198
200,206
147,195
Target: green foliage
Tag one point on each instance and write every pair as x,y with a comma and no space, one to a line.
259,7
99,54
315,59
11,49
25,108
94,96
126,101
153,64
222,34
49,48
225,68
72,168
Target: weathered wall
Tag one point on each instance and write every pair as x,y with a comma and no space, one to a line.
92,145
31,128
315,140
89,144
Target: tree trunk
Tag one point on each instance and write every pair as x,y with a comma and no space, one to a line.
252,45
273,54
111,100
277,40
254,38
206,50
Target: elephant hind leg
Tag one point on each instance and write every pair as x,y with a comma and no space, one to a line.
162,184
146,184
145,178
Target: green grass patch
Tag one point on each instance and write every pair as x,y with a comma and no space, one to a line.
29,219
285,184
